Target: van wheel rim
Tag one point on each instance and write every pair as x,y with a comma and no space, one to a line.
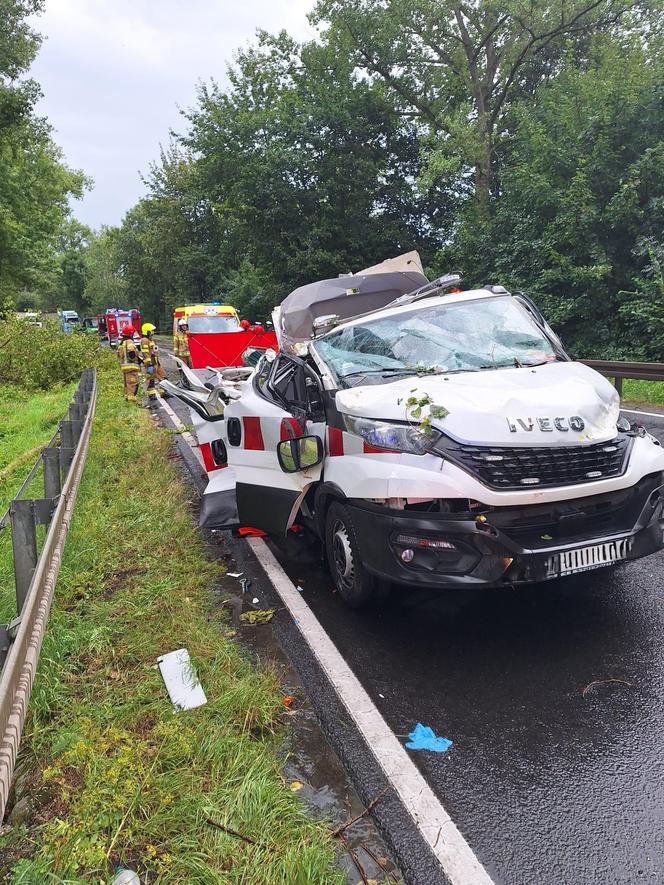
343,556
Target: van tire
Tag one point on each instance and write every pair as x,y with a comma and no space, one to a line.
353,583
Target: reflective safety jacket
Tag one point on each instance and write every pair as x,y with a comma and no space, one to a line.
149,352
129,355
181,344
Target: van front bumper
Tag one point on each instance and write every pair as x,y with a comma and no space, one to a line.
512,545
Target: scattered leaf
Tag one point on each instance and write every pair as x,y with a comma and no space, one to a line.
439,412
295,786
260,616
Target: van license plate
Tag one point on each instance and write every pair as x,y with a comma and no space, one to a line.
586,558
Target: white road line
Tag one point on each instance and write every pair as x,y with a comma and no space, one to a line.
191,442
434,823
639,412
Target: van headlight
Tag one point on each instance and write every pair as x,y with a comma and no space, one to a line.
396,437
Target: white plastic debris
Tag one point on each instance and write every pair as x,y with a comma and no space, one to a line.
299,589
126,877
235,574
255,600
181,680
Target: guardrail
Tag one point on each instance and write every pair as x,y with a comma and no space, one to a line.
619,370
36,573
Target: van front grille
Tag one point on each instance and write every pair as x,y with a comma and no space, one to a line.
503,467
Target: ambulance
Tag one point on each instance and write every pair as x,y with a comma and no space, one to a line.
217,338
429,437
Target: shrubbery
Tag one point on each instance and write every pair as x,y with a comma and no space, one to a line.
38,357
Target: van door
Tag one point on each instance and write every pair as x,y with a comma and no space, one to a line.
268,431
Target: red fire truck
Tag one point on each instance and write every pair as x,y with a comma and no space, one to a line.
113,320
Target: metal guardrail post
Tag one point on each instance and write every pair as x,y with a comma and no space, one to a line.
66,440
75,412
76,427
66,456
52,481
24,543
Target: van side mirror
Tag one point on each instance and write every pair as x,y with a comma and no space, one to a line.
299,454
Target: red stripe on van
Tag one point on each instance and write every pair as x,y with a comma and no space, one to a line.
335,441
208,460
290,429
253,436
376,450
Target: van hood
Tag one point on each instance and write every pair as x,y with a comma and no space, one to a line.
557,404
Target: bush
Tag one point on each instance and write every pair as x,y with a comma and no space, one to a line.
39,357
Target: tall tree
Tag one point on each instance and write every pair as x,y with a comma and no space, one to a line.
456,67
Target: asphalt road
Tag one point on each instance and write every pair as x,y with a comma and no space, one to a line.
550,779
552,696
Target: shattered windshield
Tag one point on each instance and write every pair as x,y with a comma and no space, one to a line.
213,324
462,336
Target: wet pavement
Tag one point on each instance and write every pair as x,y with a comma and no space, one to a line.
556,774
552,696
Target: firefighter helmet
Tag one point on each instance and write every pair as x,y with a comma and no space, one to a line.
128,332
148,328
182,322
245,324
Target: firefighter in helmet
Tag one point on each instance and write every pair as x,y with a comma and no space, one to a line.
130,363
181,342
152,372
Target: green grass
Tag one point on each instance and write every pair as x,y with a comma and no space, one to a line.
647,392
27,422
121,780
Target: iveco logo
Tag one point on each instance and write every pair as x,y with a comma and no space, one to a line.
546,425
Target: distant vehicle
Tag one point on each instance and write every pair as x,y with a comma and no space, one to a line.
217,337
69,320
112,321
90,325
33,318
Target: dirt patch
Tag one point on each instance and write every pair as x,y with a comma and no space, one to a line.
117,579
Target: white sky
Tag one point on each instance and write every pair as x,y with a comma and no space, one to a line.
114,72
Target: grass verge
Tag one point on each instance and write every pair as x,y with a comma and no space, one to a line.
28,420
120,779
644,392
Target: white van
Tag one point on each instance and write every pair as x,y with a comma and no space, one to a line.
429,436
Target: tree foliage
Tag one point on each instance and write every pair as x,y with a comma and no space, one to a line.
35,184
519,142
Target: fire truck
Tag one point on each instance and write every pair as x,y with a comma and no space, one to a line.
113,320
217,338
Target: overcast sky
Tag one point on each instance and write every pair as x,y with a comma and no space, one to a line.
114,72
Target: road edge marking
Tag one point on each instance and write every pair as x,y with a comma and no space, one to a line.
184,433
639,412
456,857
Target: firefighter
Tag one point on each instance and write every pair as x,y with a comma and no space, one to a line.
181,342
130,362
152,372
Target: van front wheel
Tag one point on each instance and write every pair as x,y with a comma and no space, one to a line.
353,583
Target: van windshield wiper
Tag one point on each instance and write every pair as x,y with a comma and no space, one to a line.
396,370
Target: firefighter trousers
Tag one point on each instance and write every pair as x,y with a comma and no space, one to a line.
131,380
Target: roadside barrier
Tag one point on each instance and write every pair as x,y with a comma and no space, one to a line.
619,370
35,573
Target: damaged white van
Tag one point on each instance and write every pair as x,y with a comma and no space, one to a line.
429,436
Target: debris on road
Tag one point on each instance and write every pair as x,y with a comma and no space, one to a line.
288,700
424,738
604,682
235,574
260,616
181,680
250,532
296,786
